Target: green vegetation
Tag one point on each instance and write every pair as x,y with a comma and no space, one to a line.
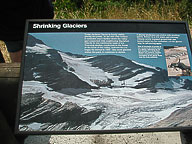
124,9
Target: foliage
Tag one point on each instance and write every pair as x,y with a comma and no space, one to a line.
124,9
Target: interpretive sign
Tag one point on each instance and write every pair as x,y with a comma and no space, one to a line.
105,76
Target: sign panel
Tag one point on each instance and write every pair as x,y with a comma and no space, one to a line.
105,76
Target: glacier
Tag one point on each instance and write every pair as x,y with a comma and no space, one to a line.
124,105
123,108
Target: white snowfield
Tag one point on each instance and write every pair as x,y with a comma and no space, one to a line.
38,49
122,107
89,74
83,70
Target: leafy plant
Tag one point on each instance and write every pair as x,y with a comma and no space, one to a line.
124,9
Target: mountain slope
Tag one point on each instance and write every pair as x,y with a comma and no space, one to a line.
45,64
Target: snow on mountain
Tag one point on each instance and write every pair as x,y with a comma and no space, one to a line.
134,81
84,70
139,109
121,75
38,49
122,108
148,66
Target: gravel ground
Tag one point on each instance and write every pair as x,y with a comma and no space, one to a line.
131,138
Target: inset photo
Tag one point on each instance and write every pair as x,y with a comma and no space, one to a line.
177,60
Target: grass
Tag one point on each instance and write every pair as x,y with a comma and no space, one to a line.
155,11
136,11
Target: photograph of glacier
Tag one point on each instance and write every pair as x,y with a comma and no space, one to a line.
63,91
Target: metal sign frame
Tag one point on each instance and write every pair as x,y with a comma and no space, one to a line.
89,103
